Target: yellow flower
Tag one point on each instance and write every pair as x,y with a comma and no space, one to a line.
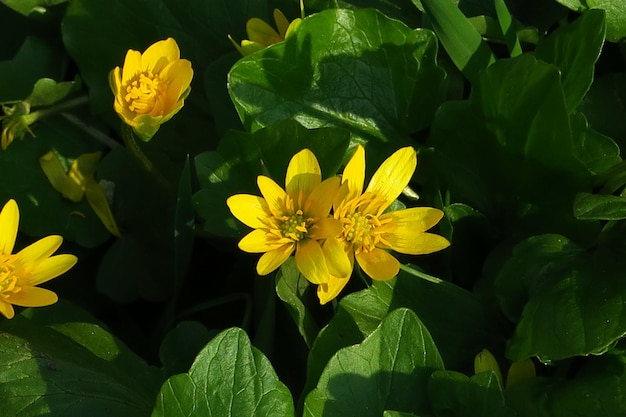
262,35
294,219
368,231
15,125
33,265
151,87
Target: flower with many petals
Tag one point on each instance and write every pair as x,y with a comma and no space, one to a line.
262,35
20,273
369,231
295,219
151,87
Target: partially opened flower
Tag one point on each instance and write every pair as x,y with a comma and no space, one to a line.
262,35
368,231
151,87
20,273
295,219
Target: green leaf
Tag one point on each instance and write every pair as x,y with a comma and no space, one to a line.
459,38
615,15
575,299
508,28
47,92
354,69
31,7
389,370
599,207
596,151
575,48
454,394
55,365
241,157
293,289
181,346
228,378
605,106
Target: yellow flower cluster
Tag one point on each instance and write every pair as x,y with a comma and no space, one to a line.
299,219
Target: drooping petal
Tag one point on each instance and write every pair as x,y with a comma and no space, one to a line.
271,260
6,310
115,81
159,54
9,220
321,199
39,250
303,176
311,261
421,244
379,264
251,210
49,268
325,228
393,175
412,220
274,195
259,31
258,241
328,291
354,173
33,297
337,259
132,65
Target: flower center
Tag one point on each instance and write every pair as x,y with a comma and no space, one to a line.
295,226
359,230
8,279
145,93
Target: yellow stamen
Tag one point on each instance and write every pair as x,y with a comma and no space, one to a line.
145,93
8,279
295,226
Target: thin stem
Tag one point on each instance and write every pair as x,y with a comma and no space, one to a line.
61,107
146,164
108,141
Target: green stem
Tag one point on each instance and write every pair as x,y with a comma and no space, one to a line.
146,164
61,107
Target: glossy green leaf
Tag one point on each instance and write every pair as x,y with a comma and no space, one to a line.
47,92
575,299
228,378
595,150
599,207
574,49
508,28
182,344
31,7
453,394
459,38
52,364
388,370
615,15
358,70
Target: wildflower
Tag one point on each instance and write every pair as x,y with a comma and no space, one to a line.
33,265
262,35
368,231
151,87
15,124
294,219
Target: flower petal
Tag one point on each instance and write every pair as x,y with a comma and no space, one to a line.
249,209
325,228
354,173
393,175
378,264
311,261
177,75
274,195
303,176
271,260
49,268
321,199
39,250
261,32
421,244
412,220
328,291
9,220
159,54
282,24
258,241
33,297
132,65
7,310
337,259
115,81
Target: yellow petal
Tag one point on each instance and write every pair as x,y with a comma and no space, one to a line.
60,181
271,260
421,244
378,264
33,297
393,175
259,31
251,210
39,250
115,80
321,199
354,173
274,195
7,310
338,262
292,27
330,290
159,54
303,176
249,47
9,220
178,76
325,228
412,220
258,241
282,24
311,262
100,205
49,268
132,65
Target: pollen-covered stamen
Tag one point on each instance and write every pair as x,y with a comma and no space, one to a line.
8,279
145,93
295,226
